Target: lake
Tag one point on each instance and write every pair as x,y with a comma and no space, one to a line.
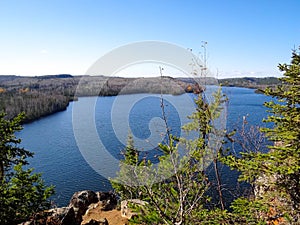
79,148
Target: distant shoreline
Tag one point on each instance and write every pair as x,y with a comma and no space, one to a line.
40,96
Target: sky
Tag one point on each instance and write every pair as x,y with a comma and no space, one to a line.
245,38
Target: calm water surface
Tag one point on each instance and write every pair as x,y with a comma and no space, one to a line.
59,158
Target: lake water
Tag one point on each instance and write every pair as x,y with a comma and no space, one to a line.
79,148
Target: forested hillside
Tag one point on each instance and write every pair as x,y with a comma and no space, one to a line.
44,95
251,82
36,96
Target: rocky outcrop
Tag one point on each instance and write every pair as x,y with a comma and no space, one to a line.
62,216
57,216
80,204
107,200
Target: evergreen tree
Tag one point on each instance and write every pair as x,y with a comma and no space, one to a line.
10,152
131,154
175,189
275,175
22,192
125,183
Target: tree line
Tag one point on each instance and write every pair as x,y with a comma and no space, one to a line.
44,95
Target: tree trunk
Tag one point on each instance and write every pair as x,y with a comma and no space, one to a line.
219,183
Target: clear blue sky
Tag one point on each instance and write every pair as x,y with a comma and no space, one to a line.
245,38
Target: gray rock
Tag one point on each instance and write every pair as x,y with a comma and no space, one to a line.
62,216
107,200
80,202
57,216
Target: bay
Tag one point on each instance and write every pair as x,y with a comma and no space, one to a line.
101,124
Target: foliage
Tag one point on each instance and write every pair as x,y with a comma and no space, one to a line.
124,183
175,189
33,103
180,198
10,153
277,172
22,192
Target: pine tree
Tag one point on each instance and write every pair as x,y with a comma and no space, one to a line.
276,172
22,192
125,182
175,191
131,154
10,152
